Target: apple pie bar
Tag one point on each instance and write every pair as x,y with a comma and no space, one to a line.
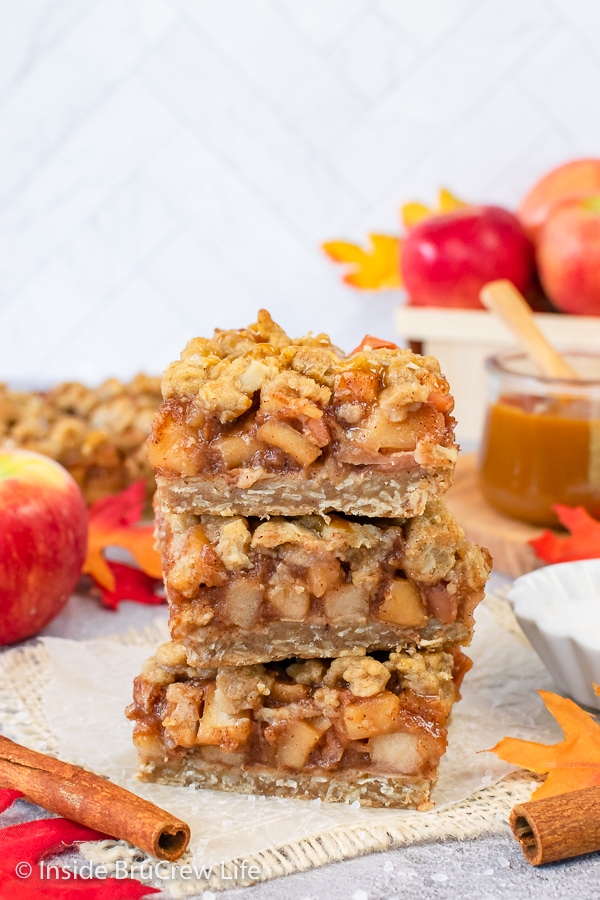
359,728
253,420
245,590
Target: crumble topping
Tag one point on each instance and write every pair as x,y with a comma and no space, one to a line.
252,403
228,369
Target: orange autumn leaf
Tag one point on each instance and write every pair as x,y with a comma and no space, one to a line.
571,764
413,213
112,524
582,543
376,268
448,202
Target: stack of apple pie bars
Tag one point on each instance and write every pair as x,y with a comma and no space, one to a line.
319,589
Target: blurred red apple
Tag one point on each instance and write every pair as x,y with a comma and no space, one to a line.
446,260
573,180
568,256
43,539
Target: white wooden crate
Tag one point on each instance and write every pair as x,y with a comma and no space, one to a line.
462,339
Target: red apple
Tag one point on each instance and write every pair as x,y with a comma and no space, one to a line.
573,180
568,256
43,541
446,260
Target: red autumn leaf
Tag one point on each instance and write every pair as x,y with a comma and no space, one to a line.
373,343
125,508
582,543
7,798
112,523
23,878
130,584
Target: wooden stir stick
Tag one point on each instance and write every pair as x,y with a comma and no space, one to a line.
504,299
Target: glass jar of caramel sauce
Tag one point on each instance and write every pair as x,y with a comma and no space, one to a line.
541,442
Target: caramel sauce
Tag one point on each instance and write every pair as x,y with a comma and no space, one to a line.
537,452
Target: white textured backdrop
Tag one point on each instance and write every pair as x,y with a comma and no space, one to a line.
167,166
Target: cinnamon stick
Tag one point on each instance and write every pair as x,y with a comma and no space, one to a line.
558,827
91,800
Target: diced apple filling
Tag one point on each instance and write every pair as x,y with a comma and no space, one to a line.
219,725
172,447
150,747
196,564
286,438
213,754
381,434
346,603
296,744
444,403
323,574
356,386
237,450
375,715
402,605
244,597
317,431
292,602
288,693
398,752
181,723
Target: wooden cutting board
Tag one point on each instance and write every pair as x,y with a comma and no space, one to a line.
505,538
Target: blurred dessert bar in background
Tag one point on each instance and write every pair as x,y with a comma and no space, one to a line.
98,434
